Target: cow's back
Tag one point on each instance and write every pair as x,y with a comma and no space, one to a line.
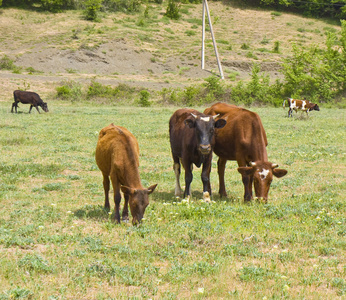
242,136
116,148
26,97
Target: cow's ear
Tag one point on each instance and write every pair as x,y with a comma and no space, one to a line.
190,123
246,171
127,190
220,123
152,188
279,172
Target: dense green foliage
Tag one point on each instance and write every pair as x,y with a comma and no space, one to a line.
316,8
316,73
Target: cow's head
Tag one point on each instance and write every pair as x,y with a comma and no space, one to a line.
315,107
205,129
138,201
44,106
262,173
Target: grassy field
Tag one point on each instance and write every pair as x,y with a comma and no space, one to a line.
57,242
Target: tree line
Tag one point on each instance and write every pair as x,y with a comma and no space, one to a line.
315,8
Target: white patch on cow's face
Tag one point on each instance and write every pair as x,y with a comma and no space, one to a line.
264,174
205,119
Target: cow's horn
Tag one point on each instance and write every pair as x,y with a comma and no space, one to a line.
194,115
214,117
252,164
274,166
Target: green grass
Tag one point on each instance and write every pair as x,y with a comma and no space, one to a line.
57,241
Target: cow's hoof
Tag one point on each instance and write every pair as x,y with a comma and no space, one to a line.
206,197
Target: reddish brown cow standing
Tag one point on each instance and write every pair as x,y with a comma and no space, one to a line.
244,140
28,98
117,156
192,138
296,105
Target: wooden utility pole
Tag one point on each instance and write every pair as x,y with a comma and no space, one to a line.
206,9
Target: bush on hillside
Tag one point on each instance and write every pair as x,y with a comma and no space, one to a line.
325,8
318,74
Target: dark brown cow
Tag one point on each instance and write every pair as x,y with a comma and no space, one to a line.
28,98
296,105
192,140
244,140
117,156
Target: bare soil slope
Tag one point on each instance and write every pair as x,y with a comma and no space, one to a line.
151,52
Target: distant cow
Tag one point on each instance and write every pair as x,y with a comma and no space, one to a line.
192,138
28,98
296,105
244,140
117,156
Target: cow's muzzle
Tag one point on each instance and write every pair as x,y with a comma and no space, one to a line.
205,149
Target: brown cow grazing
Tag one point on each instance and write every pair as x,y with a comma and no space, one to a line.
192,138
117,156
243,139
28,98
296,105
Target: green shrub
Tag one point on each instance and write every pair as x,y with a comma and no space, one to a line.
97,89
92,7
172,10
144,98
276,47
7,64
70,90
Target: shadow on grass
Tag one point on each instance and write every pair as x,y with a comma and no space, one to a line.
95,212
196,195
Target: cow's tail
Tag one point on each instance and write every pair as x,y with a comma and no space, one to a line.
288,102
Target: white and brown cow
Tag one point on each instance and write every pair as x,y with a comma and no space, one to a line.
244,140
303,105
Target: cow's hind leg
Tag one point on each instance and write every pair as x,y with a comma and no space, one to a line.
106,184
177,170
290,113
221,165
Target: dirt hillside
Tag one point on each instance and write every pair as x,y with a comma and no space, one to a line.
51,48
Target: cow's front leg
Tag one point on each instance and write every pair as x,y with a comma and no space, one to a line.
221,165
188,179
206,178
117,199
247,181
125,213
